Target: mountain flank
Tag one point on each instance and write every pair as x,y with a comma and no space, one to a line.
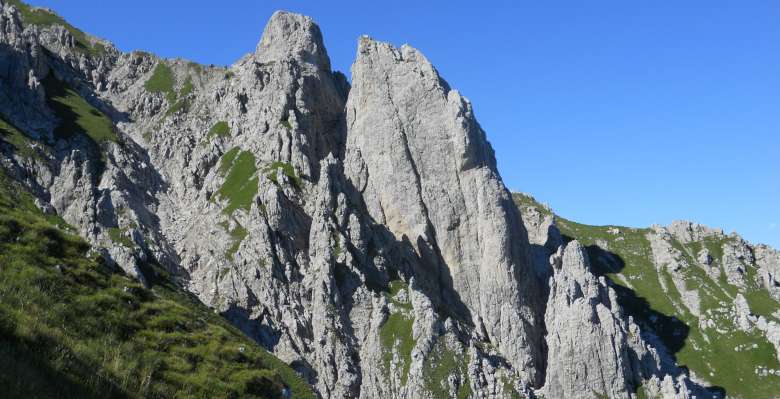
357,235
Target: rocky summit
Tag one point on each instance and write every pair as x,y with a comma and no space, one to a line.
291,233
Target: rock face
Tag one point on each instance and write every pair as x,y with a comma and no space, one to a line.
589,351
361,233
426,172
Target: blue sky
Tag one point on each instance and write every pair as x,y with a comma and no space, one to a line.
613,112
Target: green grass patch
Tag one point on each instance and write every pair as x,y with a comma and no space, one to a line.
21,143
76,114
762,304
395,334
241,183
237,236
524,200
70,327
439,365
120,237
194,66
220,129
187,88
509,389
228,159
181,103
162,80
287,169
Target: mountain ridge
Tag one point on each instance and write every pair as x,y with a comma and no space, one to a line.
361,233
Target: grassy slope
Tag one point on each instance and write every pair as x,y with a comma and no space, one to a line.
395,334
707,352
240,185
163,80
21,144
76,114
69,327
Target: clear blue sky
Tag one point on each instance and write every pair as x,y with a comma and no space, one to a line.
613,112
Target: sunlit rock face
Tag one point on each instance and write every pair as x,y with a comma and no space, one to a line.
360,232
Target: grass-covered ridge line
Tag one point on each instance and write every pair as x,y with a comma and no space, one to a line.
44,18
241,183
70,327
708,352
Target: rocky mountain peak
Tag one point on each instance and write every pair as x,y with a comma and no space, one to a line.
361,234
289,35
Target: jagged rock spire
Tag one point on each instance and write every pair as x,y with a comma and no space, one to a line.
427,173
289,35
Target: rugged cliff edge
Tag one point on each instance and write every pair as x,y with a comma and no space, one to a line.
361,233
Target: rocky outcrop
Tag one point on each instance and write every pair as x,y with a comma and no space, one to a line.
768,261
687,232
588,340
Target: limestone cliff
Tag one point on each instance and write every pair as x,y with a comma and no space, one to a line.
360,232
